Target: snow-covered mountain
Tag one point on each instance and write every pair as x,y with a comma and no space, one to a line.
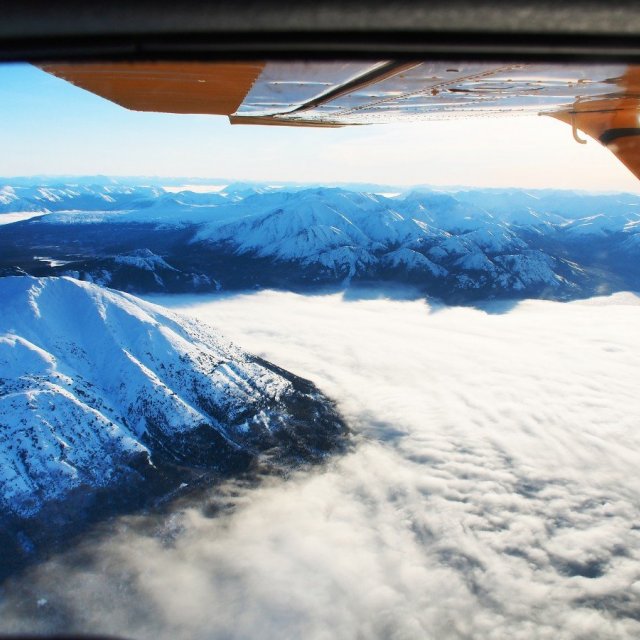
47,199
460,245
435,239
102,394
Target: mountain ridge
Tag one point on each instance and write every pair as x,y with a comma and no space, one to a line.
459,246
101,392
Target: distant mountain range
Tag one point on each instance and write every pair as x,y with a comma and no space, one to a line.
107,402
460,246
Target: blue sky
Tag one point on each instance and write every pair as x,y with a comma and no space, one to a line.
51,127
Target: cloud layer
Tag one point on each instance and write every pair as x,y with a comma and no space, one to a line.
493,491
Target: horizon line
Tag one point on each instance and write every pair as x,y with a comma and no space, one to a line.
199,180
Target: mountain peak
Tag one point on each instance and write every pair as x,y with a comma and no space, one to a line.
100,388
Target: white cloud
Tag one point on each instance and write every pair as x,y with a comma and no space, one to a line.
492,493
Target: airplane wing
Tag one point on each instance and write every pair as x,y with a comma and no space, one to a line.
599,100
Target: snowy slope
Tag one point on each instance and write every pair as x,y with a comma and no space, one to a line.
307,224
413,261
97,386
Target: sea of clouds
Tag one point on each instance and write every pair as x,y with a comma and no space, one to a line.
493,490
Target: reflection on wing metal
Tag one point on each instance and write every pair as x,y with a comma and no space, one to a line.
437,89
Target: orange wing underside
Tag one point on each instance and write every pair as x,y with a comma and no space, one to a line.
602,101
168,87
